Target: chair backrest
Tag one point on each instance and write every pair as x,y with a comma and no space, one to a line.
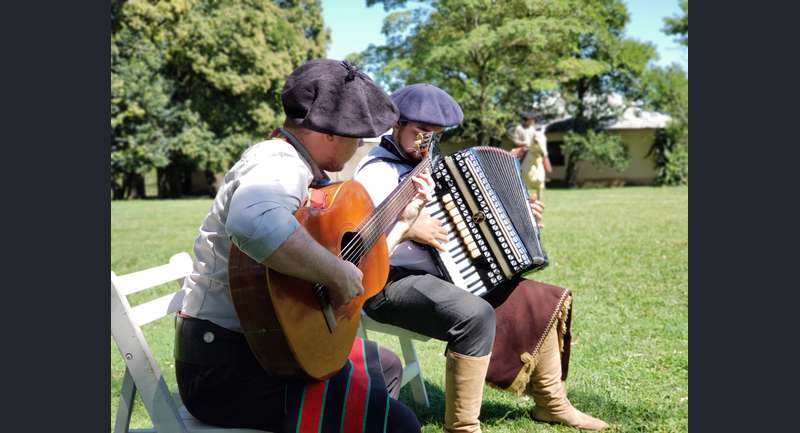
142,370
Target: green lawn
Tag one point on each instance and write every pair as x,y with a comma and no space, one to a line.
624,252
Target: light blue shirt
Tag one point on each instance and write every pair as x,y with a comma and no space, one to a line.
254,208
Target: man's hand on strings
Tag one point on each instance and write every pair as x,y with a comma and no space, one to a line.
346,285
424,184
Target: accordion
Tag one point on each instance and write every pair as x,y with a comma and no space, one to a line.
482,202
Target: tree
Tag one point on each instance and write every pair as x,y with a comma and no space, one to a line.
679,25
499,57
491,56
231,59
212,70
666,89
612,68
145,121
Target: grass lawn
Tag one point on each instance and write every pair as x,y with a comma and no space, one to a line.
624,252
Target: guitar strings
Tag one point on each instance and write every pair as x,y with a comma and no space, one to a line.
390,208
387,210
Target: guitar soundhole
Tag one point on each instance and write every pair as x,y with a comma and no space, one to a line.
353,247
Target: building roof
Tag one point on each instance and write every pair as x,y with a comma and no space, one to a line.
631,118
636,118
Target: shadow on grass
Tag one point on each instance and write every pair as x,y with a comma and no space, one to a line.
615,412
494,412
491,411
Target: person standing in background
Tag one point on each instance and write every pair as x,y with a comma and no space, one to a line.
530,146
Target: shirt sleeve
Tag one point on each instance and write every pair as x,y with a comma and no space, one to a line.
541,139
261,210
519,135
379,179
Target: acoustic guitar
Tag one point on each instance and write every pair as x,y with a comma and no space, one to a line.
288,322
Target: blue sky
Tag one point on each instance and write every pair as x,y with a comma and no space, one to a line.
354,26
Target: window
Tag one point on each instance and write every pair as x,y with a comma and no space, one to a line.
556,155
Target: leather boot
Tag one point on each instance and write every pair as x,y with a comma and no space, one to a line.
549,393
464,378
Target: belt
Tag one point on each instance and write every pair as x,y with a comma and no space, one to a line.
202,342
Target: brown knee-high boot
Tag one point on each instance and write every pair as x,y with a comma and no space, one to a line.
464,378
549,393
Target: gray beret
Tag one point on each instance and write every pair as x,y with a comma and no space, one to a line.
426,103
333,97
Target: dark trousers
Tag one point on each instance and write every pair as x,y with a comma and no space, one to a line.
225,386
436,308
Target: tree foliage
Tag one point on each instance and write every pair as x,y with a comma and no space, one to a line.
196,81
679,25
146,123
498,57
491,56
592,96
596,147
671,152
666,89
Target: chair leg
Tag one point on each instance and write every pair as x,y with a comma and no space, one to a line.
362,331
125,409
417,382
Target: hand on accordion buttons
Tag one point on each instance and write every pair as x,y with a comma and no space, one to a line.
427,230
537,208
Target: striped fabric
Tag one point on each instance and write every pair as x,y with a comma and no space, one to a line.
353,400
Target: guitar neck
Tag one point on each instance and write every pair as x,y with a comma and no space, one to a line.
385,215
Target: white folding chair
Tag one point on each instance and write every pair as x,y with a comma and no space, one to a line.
412,372
142,372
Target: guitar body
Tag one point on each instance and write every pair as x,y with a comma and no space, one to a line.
282,318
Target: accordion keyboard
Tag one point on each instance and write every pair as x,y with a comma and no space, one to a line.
455,259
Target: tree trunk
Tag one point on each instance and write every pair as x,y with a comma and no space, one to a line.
571,173
186,181
134,185
170,181
210,179
118,190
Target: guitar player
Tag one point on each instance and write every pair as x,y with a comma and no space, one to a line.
220,381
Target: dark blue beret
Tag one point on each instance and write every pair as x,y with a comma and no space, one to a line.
426,103
333,97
